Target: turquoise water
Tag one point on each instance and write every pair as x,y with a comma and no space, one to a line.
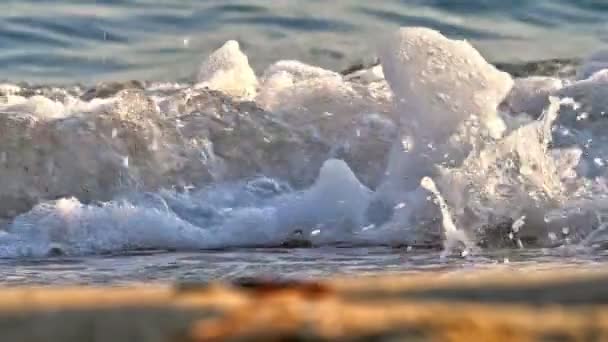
66,41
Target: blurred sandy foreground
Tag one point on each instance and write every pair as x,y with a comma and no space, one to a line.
499,305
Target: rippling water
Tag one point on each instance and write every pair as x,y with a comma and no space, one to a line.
137,268
70,41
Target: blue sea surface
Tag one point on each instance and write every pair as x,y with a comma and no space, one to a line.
67,41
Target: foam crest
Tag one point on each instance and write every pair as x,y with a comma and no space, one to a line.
257,213
435,147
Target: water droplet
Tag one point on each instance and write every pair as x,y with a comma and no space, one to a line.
518,224
371,226
598,162
399,206
406,143
582,116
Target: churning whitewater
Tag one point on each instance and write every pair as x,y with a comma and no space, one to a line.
433,147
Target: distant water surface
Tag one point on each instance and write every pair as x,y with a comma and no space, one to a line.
67,41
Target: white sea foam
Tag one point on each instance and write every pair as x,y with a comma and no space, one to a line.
445,151
228,69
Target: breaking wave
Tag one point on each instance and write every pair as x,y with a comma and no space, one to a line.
435,147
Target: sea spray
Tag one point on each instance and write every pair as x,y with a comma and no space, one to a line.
329,158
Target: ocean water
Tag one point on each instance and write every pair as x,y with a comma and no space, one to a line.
300,264
82,41
237,149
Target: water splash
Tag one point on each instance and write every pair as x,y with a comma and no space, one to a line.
421,158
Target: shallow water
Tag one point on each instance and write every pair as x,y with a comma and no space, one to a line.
70,41
205,266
